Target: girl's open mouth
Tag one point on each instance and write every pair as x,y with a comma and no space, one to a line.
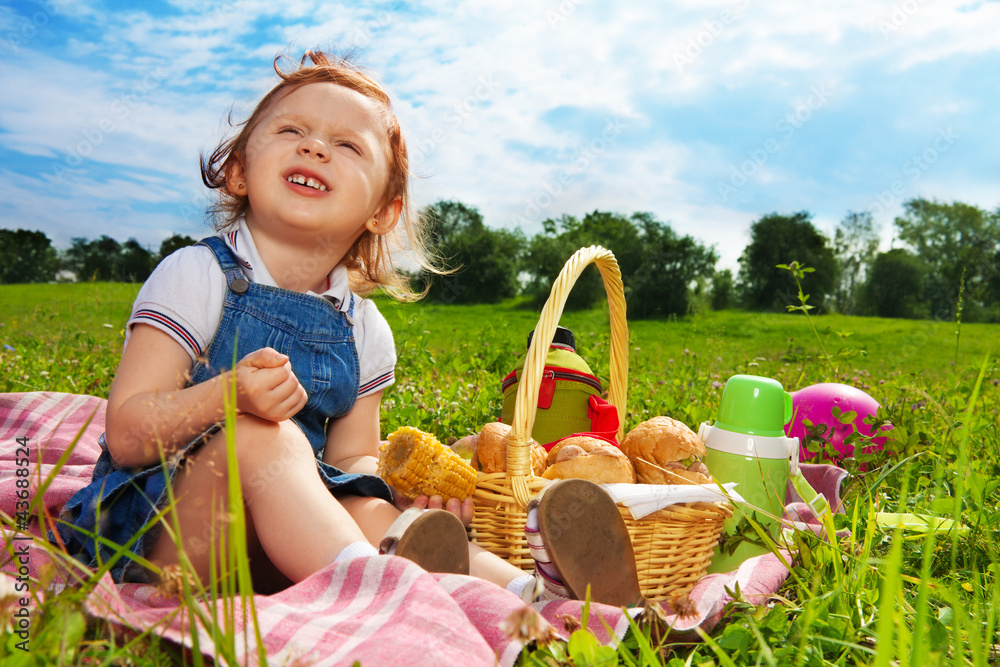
308,182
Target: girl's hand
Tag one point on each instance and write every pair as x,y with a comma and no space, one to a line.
462,509
267,387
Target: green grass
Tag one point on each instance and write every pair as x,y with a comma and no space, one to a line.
64,337
878,597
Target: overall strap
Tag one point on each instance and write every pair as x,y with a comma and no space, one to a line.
227,262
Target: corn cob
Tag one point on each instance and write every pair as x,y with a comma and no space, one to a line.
416,463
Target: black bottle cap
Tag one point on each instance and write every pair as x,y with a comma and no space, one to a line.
563,337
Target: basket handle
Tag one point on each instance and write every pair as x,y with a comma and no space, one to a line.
526,401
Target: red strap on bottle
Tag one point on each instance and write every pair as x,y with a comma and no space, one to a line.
603,418
546,390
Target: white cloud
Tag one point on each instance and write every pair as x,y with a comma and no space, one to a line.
476,85
86,208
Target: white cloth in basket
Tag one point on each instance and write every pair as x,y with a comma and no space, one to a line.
644,499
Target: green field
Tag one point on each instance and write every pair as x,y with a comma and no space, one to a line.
674,365
64,337
877,599
68,338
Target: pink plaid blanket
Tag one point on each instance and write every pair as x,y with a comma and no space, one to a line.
377,610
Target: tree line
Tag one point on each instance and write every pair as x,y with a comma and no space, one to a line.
28,257
944,260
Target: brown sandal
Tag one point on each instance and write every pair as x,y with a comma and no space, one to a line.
588,543
433,539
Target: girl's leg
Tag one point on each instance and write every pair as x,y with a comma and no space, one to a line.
374,516
267,579
295,520
491,567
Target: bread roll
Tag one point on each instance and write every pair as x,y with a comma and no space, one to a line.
676,473
491,450
589,458
666,451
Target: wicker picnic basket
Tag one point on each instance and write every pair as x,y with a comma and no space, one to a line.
672,546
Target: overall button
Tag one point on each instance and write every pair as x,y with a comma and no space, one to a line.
239,285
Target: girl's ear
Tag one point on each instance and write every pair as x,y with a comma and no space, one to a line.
385,218
236,177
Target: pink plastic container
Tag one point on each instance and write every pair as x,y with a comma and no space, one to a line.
816,404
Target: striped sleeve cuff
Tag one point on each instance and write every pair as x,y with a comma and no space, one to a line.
171,327
377,384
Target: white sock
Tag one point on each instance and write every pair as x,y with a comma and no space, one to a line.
553,587
516,586
356,550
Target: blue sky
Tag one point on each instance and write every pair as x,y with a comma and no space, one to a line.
707,114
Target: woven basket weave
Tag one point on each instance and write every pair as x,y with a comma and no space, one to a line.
673,546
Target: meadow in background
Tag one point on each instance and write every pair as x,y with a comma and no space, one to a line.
876,598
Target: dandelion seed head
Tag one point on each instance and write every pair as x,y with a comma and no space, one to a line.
526,625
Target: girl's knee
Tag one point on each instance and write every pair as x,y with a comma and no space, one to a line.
260,441
265,450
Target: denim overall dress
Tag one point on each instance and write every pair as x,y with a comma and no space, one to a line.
319,342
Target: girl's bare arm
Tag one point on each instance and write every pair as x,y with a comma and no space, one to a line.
149,408
352,441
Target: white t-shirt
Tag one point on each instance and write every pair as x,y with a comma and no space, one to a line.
184,298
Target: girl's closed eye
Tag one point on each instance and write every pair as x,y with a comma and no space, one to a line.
289,128
351,145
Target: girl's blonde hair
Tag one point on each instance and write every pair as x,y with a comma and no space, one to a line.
369,260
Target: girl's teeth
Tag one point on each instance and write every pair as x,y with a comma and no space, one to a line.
302,180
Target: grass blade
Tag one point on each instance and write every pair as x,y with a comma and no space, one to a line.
887,602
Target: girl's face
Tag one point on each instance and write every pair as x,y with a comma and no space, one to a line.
316,168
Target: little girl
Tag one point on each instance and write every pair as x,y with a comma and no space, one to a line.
308,192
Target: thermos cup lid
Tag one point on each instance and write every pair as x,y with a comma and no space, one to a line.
755,406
